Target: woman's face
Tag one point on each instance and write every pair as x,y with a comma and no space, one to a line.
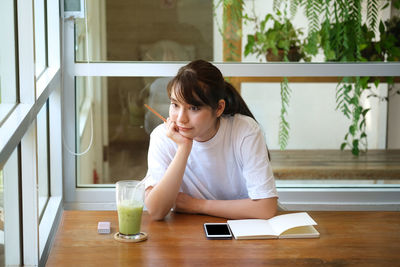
195,122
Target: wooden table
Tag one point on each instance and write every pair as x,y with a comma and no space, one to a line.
347,238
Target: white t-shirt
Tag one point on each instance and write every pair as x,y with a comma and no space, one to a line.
233,164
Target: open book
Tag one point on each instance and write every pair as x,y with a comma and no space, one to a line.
292,225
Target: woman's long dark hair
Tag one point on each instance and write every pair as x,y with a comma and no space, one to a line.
200,83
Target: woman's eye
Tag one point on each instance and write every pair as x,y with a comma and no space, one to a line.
194,108
174,105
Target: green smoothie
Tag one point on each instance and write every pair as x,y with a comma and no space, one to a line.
129,217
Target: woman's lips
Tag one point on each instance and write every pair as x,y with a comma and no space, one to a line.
184,129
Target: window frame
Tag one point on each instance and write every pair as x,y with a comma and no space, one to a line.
12,233
102,197
19,131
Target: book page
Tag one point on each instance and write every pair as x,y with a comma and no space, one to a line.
281,223
251,227
301,232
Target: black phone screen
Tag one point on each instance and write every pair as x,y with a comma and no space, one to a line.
217,229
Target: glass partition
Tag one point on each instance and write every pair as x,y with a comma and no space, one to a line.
40,7
2,243
43,157
9,210
114,126
8,85
146,31
239,31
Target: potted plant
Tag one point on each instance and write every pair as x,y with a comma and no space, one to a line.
389,38
281,42
273,42
371,50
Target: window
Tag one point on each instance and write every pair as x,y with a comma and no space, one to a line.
43,157
147,31
10,253
183,31
30,133
8,87
314,122
40,37
2,243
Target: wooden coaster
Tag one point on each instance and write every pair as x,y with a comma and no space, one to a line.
142,236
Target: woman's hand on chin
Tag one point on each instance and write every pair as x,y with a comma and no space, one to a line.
174,135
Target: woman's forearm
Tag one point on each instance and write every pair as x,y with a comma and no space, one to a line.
160,199
240,209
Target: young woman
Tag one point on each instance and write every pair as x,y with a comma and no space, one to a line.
210,157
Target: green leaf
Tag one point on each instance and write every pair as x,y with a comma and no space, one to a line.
376,82
355,143
352,130
364,82
396,4
362,123
386,5
365,111
354,100
343,145
355,151
381,27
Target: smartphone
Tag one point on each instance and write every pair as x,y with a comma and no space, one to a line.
217,231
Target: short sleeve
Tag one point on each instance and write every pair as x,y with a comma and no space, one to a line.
256,166
160,155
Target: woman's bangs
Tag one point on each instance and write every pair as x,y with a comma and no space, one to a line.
187,91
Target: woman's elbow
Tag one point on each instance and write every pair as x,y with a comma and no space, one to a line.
270,208
156,215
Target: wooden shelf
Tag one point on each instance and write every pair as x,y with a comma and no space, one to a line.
336,164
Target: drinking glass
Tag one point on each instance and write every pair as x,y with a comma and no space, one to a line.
130,198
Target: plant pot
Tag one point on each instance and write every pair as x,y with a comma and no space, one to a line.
293,55
371,54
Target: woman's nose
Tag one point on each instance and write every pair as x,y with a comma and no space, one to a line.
182,116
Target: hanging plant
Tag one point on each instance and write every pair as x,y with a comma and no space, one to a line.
337,28
281,42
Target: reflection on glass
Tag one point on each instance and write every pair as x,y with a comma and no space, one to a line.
8,88
43,157
148,30
40,37
1,219
121,125
243,31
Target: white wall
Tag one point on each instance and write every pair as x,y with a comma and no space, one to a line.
314,122
394,111
394,120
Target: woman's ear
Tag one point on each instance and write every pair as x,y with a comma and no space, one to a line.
220,108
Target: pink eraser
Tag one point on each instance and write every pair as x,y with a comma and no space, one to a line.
103,227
